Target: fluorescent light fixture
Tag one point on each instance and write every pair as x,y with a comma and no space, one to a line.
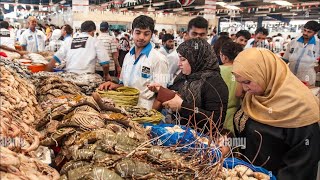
159,4
282,3
232,7
151,9
289,14
221,3
199,7
138,7
260,15
262,12
178,9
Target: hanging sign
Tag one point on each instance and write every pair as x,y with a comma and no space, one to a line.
80,5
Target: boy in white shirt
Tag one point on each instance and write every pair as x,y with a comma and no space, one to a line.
143,64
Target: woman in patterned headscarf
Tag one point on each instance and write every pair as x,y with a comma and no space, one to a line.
279,116
200,88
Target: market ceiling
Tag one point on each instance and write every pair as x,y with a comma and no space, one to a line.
248,9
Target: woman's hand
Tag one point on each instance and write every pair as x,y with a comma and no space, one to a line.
174,104
154,87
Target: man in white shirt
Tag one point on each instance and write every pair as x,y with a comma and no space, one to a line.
32,40
143,64
278,42
259,40
155,39
82,52
197,28
6,38
179,39
302,53
66,32
167,44
55,42
20,31
111,46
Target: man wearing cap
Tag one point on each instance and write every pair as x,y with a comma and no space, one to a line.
111,46
82,52
302,53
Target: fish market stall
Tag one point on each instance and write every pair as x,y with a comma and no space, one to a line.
90,134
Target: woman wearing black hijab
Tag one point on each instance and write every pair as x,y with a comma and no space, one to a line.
200,89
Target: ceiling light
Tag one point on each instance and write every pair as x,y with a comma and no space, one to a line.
178,9
260,15
282,3
289,14
138,7
159,4
221,3
232,7
199,7
262,12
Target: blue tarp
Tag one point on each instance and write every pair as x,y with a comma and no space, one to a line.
232,162
187,141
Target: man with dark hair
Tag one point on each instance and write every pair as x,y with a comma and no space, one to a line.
111,46
302,53
233,37
143,64
214,37
66,31
224,34
167,44
82,52
198,27
6,38
242,37
260,39
278,42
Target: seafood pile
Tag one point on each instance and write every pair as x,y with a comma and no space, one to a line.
10,54
36,58
66,118
86,82
141,115
51,87
119,153
122,96
18,166
19,111
241,172
15,65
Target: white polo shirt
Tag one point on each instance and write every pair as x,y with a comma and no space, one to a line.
163,50
34,41
303,58
81,54
173,59
250,44
6,38
150,66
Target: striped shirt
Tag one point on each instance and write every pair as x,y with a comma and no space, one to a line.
110,45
